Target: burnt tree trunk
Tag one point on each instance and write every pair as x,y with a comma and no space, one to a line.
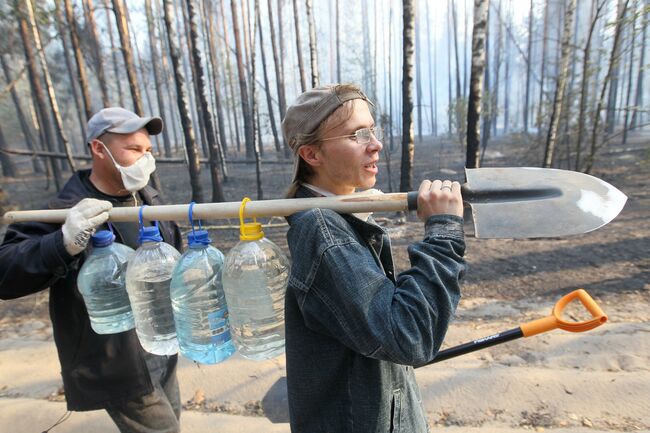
157,73
615,62
607,81
186,122
81,64
54,106
301,67
37,90
582,107
116,73
125,41
279,78
217,191
230,86
217,91
101,76
8,169
267,84
408,147
30,140
528,65
638,99
249,132
58,16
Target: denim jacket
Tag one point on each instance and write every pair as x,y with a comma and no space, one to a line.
354,329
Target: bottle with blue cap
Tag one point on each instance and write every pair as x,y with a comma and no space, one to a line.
148,279
102,286
255,277
199,303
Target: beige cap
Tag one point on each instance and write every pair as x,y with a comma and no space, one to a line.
311,108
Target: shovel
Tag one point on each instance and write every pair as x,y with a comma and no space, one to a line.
535,327
504,202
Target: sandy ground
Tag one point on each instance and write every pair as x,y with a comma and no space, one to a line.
558,381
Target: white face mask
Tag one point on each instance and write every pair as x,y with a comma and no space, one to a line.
135,176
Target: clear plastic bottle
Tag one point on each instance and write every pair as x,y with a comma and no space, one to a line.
199,303
255,277
101,283
148,279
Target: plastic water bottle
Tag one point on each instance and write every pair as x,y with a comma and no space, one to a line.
255,277
199,303
148,279
101,283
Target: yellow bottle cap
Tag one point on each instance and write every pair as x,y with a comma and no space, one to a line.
251,231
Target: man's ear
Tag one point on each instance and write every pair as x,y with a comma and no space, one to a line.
97,149
310,153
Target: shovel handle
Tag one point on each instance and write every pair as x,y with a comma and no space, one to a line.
555,319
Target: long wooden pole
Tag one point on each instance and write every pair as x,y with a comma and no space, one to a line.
359,202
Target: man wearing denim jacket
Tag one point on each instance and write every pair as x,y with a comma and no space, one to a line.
354,329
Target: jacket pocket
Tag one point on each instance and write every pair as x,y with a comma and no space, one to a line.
396,411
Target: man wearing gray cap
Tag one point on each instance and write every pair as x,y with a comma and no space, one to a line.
112,372
354,326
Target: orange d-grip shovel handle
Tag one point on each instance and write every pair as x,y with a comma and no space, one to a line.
555,319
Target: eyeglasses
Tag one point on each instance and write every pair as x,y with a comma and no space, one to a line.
362,136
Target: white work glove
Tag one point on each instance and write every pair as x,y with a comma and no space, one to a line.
81,222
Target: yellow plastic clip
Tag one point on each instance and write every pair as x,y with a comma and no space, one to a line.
248,231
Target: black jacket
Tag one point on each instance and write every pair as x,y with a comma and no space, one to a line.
97,370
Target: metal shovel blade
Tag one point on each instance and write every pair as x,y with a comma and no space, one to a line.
527,202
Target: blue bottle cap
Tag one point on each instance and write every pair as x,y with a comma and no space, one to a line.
102,238
149,234
198,238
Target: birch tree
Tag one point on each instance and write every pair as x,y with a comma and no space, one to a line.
313,52
479,34
560,86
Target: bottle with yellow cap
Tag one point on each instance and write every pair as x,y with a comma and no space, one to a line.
255,276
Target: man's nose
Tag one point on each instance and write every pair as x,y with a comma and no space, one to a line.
374,145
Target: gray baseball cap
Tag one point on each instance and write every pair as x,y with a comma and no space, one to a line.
311,108
120,121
